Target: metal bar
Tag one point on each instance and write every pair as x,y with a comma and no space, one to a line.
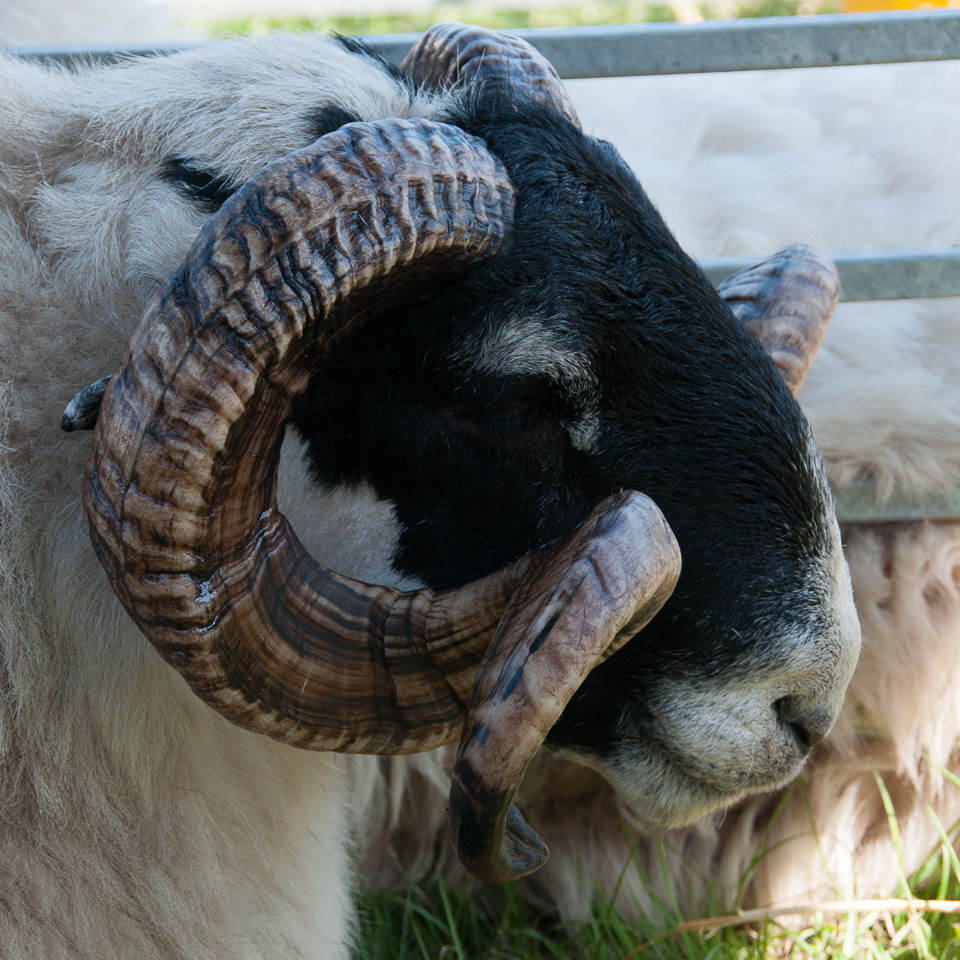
662,48
76,55
751,44
712,46
860,504
877,274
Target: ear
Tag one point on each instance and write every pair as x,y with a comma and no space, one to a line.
82,411
787,303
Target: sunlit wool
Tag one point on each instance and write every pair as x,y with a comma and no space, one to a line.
138,823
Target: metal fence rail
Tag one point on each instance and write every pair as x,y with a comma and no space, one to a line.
663,48
751,44
877,275
859,504
730,45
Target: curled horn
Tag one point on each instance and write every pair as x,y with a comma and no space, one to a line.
82,411
575,608
180,496
449,53
787,302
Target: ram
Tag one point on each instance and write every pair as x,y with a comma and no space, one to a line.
743,163
481,334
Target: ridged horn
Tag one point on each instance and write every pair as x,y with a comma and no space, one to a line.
451,53
180,496
787,302
576,606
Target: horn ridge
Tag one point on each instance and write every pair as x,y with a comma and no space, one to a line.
455,53
578,605
181,493
786,302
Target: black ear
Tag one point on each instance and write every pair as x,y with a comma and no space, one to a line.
81,412
326,119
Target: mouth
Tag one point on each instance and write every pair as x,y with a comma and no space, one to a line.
668,795
676,764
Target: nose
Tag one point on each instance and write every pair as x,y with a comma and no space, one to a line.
808,722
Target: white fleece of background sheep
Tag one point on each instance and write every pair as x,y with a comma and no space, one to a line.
41,22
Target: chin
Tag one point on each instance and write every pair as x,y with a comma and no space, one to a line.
662,794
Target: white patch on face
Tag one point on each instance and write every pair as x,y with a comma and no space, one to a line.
530,348
836,588
713,741
583,432
347,528
845,610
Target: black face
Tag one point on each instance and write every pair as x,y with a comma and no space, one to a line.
590,356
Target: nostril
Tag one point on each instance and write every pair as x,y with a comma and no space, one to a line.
809,725
806,739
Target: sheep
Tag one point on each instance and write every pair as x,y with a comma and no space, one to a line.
743,163
144,825
194,838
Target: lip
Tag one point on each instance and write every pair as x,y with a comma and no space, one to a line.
769,777
689,798
669,788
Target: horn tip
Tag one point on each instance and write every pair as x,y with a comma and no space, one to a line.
494,850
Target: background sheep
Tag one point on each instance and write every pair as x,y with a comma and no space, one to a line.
26,22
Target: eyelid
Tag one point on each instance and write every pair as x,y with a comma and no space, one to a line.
488,394
505,410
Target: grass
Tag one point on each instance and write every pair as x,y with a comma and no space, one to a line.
437,922
562,15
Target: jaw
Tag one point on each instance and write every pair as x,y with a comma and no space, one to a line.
667,789
685,746
660,793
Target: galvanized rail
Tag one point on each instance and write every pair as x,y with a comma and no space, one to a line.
767,43
731,45
716,46
877,274
860,504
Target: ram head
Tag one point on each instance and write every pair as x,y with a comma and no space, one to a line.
483,316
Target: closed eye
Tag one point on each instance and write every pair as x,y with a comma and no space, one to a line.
509,421
509,412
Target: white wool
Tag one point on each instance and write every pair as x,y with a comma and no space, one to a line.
138,823
46,22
